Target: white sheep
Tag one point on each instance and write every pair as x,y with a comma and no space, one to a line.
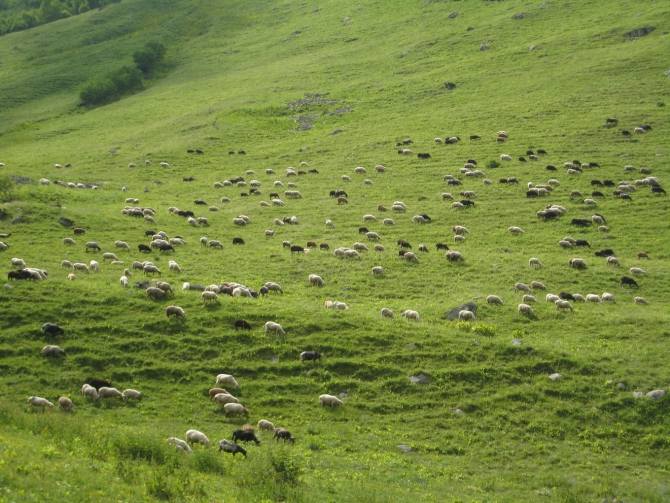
239,221
224,398
373,236
410,257
608,297
66,263
594,298
88,390
273,287
457,205
565,244
196,437
17,262
590,202
522,287
411,315
378,248
388,221
377,271
637,270
466,315
534,262
515,230
345,178
78,266
578,298
71,277
536,285
550,297
330,224
640,300
68,241
274,327
109,256
330,400
180,444
235,409
387,313
265,425
613,261
37,401
124,281
105,392
369,218
460,230
360,247
360,170
94,266
528,298
459,239
525,309
173,266
226,379
52,351
447,195
505,157
494,299
418,219
192,221
351,254
270,233
563,304
175,311
131,393
316,280
205,296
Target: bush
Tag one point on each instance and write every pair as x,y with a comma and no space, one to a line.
6,189
492,164
146,58
126,79
96,92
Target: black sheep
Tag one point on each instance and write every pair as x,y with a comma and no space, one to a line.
607,252
441,246
243,324
310,355
582,242
363,230
238,241
200,202
625,280
245,436
144,248
52,329
550,168
164,247
98,383
566,296
297,249
149,233
227,446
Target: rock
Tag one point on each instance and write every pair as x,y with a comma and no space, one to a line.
274,359
459,412
309,372
453,15
16,220
452,314
405,448
656,394
640,32
496,266
142,285
346,19
532,48
621,385
545,4
507,250
344,395
146,189
303,149
337,131
420,379
55,205
517,342
483,47
158,182
306,126
114,150
469,28
555,377
667,74
520,15
478,297
65,222
411,345
8,287
637,394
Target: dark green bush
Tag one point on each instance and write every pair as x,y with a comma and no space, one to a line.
126,79
492,164
151,54
96,92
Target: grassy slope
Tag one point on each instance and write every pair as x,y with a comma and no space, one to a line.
235,66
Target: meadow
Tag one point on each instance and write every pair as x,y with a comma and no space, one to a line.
489,426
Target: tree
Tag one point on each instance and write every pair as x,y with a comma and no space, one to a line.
147,57
126,79
95,92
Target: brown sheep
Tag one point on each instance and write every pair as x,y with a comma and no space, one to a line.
215,391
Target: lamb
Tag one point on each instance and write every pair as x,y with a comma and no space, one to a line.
68,241
637,270
37,401
105,392
410,256
235,409
124,281
593,298
274,327
180,444
109,256
233,448
536,285
534,262
563,304
460,230
608,297
330,224
515,230
466,315
52,351
494,299
316,280
226,379
577,263
522,287
94,266
411,315
196,437
212,296
640,300
528,298
66,404
330,400
131,393
175,311
526,309
224,398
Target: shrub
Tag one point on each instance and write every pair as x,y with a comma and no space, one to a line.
96,92
6,189
126,79
492,164
147,57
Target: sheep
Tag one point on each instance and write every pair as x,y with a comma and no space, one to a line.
536,285
505,157
109,256
345,178
613,261
466,315
388,221
528,298
66,404
494,299
92,245
565,244
360,247
226,379
377,271
215,244
378,248
270,233
235,409
410,256
37,401
52,351
515,230
106,392
131,393
239,221
205,296
94,266
196,437
637,270
593,298
192,221
173,266
577,263
233,448
78,266
640,300
316,280
175,311
457,205
608,297
522,287
69,241
373,236
17,262
275,327
351,254
180,445
330,400
534,262
525,309
563,304
224,398
590,202
88,390
578,298
124,281
387,313
447,195
460,230
369,218
273,287
330,224
151,269
71,277
418,219
411,315
454,256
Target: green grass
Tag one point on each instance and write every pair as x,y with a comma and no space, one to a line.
232,68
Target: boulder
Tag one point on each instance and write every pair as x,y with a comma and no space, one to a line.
452,314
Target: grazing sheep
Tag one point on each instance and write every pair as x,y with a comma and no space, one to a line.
316,280
71,277
330,400
369,218
68,241
360,247
17,262
66,404
105,392
131,393
515,230
215,244
175,311
466,315
88,390
593,298
224,398
534,262
66,263
410,256
109,256
577,263
52,351
608,297
522,287
196,437
173,266
528,298
351,254
93,246
563,304
460,230
525,309
613,261
310,355
52,329
377,271
454,256
494,299
226,379
411,315
640,300
378,248
387,313
37,401
637,270
235,409
536,285
180,445
124,281
274,327
212,296
505,157
273,287
231,447
388,221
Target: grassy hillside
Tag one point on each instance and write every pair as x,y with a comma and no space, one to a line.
489,425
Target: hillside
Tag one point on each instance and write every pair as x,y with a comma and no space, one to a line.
336,85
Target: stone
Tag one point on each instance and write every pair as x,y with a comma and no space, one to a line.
65,222
640,32
621,385
411,345
469,28
637,394
475,342
405,448
507,250
532,48
483,47
337,131
8,287
16,220
346,19
453,15
274,359
517,342
545,4
420,379
555,377
344,395
520,15
452,314
656,394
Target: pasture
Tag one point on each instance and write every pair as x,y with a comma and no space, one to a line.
488,424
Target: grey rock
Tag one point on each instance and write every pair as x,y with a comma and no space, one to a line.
411,345
639,32
517,342
621,385
637,394
496,266
405,448
475,342
667,73
274,359
344,395
420,379
452,314
65,222
520,15
142,285
507,250
337,131
114,150
346,19
453,15
656,394
158,182
469,28
545,4
8,287
306,126
532,48
146,189
555,376
478,297
16,220
303,149
483,47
